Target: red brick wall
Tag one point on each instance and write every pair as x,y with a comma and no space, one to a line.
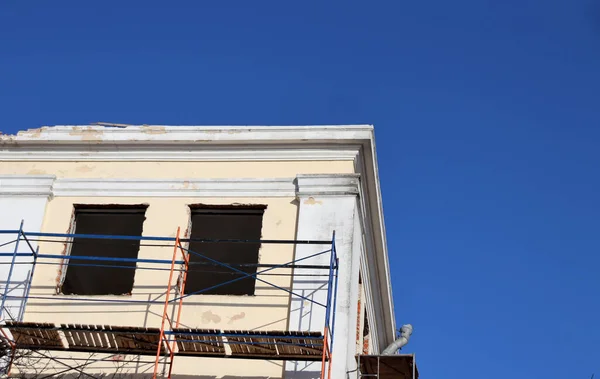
359,333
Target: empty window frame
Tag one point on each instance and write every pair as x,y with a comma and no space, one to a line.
224,223
96,277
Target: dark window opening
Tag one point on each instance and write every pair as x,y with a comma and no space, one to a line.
104,277
224,223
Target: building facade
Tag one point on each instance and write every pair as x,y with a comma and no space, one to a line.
282,193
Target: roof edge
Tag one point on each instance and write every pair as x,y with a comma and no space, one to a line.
140,133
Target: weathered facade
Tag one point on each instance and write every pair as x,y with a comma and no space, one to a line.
291,183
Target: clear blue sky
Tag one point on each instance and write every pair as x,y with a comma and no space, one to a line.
487,117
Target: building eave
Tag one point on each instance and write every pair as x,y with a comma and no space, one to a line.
149,134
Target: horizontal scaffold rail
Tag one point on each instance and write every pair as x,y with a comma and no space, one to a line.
167,239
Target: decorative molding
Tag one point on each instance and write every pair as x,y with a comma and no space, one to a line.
327,185
26,185
302,185
175,187
182,153
94,134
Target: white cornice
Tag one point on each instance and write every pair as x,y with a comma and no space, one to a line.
327,185
26,185
181,153
302,185
186,143
86,134
175,187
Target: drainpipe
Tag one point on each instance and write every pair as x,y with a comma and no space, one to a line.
405,332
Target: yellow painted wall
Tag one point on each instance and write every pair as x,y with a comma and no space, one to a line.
163,170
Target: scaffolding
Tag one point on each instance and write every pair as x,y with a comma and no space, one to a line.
395,366
171,339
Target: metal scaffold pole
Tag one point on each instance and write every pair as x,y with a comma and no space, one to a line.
10,272
165,315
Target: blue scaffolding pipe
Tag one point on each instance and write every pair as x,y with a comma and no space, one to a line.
249,335
90,300
170,239
8,243
334,305
27,240
246,275
186,295
334,271
330,282
110,266
12,266
166,269
257,343
30,281
132,260
87,258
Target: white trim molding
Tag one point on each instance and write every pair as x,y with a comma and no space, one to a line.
179,153
327,184
191,187
302,185
26,185
95,134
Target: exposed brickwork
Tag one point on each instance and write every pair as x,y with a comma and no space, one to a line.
358,331
362,335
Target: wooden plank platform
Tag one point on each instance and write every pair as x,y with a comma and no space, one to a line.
111,339
301,344
35,335
199,342
282,345
274,345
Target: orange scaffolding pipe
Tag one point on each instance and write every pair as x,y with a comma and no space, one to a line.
165,313
180,292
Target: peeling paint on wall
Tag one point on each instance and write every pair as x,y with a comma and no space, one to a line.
208,317
32,133
189,185
311,201
87,133
152,129
36,171
236,317
84,168
65,251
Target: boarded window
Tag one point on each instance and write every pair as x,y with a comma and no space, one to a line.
106,277
219,223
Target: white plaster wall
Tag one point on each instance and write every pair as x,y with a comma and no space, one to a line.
327,203
21,198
